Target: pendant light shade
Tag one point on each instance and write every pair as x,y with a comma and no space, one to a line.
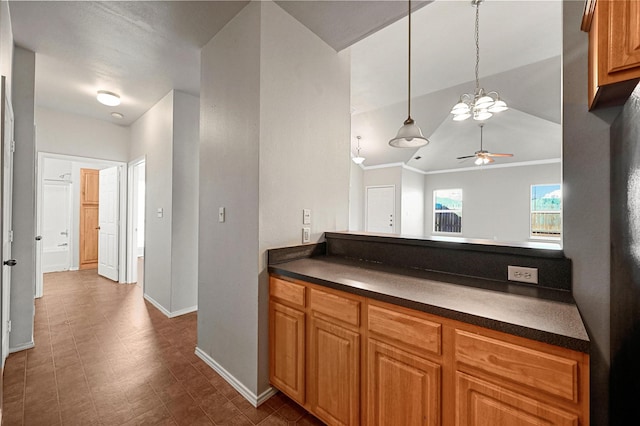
358,159
409,135
480,105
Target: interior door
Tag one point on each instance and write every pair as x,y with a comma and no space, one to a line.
381,205
108,223
8,147
89,225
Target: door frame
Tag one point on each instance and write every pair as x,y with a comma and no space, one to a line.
132,192
366,205
42,155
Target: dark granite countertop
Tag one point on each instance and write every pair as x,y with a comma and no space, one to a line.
535,315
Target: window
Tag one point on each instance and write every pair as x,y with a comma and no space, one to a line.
546,211
447,210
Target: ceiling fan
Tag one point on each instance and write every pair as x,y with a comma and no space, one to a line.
483,157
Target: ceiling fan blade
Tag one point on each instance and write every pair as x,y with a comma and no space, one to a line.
491,160
466,156
491,154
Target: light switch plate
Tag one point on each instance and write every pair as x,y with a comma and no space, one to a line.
221,214
306,216
159,212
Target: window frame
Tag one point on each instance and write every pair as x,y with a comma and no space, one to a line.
457,211
533,236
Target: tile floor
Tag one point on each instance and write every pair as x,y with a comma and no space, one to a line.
105,356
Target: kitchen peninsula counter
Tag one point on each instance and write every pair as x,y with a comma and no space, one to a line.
546,315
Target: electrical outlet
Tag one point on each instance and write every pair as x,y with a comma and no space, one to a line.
523,274
306,235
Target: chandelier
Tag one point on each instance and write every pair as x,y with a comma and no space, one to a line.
481,105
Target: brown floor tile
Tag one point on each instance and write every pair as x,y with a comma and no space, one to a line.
105,356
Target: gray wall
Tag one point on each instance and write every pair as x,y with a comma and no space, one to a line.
586,180
184,230
356,198
264,158
24,213
6,45
413,203
496,201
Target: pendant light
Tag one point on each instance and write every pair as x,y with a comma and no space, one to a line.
358,159
481,105
409,135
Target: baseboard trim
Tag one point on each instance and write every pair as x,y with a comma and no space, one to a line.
75,268
184,311
157,305
167,313
24,347
253,399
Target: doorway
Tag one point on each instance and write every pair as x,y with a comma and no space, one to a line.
76,173
136,215
380,209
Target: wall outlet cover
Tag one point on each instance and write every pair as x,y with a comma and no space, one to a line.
522,274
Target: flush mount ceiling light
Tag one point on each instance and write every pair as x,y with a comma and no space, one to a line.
481,105
108,98
117,115
358,159
409,135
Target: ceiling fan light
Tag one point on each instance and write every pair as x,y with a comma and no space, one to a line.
358,160
498,106
409,136
478,161
108,98
461,117
486,160
481,114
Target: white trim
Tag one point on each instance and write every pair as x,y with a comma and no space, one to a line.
255,400
157,305
384,166
497,166
132,252
168,313
74,269
413,169
24,347
184,311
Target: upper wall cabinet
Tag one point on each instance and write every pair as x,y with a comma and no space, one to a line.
614,50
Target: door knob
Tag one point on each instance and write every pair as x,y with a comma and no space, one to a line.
38,237
98,228
10,262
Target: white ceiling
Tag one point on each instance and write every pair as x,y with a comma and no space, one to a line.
141,50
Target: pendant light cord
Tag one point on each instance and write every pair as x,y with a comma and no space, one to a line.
477,45
409,65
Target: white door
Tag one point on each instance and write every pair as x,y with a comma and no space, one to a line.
8,146
381,205
108,223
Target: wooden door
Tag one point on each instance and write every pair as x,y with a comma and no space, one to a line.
480,403
334,373
402,389
287,354
89,205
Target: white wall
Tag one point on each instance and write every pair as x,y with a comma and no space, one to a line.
413,203
383,177
24,215
65,133
356,198
264,158
6,45
184,230
167,135
152,135
496,201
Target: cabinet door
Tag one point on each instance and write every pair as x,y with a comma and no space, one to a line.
403,389
334,373
480,403
624,35
286,347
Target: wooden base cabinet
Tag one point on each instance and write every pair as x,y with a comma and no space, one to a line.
402,389
350,360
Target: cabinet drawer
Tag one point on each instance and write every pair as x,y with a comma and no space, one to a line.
410,330
287,291
334,306
549,373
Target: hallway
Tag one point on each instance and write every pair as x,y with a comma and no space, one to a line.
105,356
